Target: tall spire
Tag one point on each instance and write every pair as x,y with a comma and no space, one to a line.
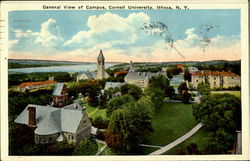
100,57
100,66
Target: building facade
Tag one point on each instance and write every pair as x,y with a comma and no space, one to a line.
60,95
215,79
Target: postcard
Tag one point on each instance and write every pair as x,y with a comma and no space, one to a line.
119,80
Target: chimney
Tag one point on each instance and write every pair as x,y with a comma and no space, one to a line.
32,116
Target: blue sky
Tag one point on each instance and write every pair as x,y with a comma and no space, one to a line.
66,34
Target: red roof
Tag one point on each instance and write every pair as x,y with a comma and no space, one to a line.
121,72
214,73
30,84
179,66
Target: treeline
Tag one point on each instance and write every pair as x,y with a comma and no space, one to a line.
12,65
227,66
16,79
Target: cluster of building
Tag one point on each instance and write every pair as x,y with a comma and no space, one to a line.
57,122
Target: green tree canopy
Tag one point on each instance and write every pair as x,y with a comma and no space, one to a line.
221,115
203,89
86,147
156,95
117,102
130,126
132,90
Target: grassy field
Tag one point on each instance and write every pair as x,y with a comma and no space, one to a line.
94,112
236,93
171,122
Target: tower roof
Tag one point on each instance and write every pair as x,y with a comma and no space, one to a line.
100,57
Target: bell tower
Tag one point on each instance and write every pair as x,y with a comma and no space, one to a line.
100,66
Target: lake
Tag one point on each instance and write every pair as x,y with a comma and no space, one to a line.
66,68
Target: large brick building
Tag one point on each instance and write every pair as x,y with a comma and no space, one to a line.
215,79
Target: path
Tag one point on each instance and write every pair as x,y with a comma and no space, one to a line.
153,146
103,148
178,141
93,112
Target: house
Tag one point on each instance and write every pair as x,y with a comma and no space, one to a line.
50,124
215,79
192,69
60,95
34,85
113,85
140,79
86,75
100,74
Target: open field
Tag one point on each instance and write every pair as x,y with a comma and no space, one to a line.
94,112
171,122
236,93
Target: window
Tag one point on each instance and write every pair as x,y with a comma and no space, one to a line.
50,139
72,137
68,136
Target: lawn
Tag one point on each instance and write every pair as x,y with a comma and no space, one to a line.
236,93
94,112
171,122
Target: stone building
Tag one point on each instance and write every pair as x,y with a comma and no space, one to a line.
215,79
140,79
60,95
101,73
70,123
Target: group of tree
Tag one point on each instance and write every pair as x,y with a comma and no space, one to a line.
150,69
228,66
173,71
191,149
17,79
221,116
129,125
88,88
163,83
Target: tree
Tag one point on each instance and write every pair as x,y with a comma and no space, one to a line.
86,147
203,89
117,102
130,125
183,91
156,95
162,82
132,90
187,75
221,115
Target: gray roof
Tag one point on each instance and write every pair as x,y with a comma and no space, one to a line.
141,75
50,120
100,56
88,74
58,89
113,84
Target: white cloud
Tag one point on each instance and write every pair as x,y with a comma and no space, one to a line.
110,28
48,38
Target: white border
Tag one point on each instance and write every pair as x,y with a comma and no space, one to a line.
37,5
